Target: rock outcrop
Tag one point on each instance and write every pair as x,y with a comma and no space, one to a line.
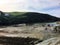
51,41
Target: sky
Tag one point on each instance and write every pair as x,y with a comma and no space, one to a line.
51,7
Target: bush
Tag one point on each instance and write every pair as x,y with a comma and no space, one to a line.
57,29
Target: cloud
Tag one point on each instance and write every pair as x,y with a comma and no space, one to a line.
46,6
43,6
12,5
55,12
40,4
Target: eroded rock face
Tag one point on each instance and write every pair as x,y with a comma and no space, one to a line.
51,41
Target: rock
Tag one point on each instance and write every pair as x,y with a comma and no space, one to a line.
51,41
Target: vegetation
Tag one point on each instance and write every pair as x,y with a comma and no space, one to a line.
25,17
57,29
16,13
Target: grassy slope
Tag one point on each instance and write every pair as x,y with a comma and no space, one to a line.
16,13
26,17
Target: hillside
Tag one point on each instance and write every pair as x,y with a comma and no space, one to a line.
33,17
25,17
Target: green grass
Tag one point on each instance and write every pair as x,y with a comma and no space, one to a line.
17,13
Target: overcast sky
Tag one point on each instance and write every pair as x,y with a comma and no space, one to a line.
51,7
